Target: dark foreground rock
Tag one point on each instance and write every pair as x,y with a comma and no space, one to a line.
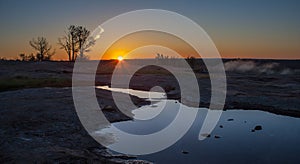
41,126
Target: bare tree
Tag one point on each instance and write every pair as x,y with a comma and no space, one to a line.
82,34
66,44
42,47
73,34
76,40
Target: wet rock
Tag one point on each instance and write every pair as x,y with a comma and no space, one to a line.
205,135
252,130
230,119
184,152
221,126
49,137
258,127
108,154
216,136
136,161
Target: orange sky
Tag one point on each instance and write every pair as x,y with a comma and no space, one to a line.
228,48
130,42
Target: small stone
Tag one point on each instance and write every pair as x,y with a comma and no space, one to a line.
230,119
221,126
184,152
258,127
205,135
252,130
216,136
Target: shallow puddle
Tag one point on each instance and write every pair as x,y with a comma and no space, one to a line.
241,136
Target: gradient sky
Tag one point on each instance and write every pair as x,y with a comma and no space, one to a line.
239,28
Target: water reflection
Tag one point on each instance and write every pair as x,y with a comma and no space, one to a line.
232,141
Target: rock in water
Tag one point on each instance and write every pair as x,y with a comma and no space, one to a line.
258,127
230,119
216,136
205,135
184,152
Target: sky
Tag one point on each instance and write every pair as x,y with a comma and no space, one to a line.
239,28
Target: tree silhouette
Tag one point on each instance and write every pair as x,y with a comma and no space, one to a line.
82,35
66,44
42,47
76,40
72,32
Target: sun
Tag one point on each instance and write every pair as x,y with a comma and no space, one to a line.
120,58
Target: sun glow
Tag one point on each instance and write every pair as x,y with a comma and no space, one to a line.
120,58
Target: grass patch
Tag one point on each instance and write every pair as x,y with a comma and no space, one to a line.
20,82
